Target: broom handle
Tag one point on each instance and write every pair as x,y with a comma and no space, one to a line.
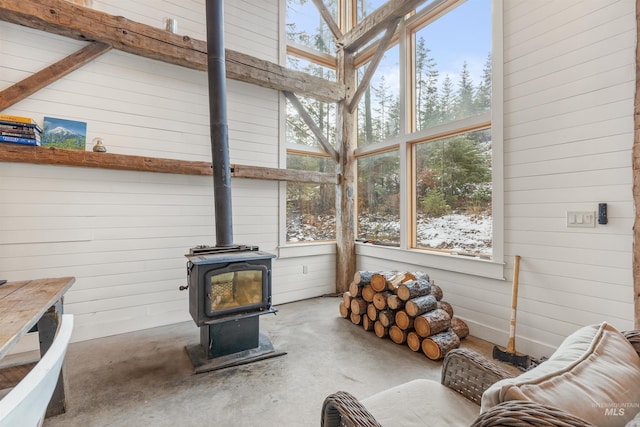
511,344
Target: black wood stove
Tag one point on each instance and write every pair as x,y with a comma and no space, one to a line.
229,285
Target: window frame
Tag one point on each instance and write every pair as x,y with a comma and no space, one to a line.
407,253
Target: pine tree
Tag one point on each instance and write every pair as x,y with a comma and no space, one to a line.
464,106
426,87
446,104
482,99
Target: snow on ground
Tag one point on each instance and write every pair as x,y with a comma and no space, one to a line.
453,232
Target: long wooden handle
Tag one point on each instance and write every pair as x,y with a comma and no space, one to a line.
511,344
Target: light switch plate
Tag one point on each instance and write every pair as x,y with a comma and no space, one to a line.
581,219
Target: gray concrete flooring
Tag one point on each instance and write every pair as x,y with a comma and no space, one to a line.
145,378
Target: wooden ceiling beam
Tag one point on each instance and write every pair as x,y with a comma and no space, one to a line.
67,19
377,22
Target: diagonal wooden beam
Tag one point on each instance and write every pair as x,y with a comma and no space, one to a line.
373,65
50,74
67,19
312,125
376,22
326,15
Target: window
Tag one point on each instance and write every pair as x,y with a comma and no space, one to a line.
452,190
305,26
379,108
452,63
449,190
311,214
425,145
379,198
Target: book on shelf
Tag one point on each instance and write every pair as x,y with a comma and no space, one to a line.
17,119
16,140
18,125
21,133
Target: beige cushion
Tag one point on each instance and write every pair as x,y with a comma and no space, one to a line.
593,374
421,403
635,422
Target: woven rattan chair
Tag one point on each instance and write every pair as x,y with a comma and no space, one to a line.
469,374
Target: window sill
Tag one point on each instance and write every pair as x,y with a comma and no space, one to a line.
442,261
296,250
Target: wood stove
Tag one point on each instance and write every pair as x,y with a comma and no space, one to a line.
229,285
228,289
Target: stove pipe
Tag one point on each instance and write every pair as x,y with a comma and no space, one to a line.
218,123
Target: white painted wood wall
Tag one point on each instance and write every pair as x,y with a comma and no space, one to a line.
568,90
123,234
569,82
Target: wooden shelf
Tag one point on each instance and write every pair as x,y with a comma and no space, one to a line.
56,156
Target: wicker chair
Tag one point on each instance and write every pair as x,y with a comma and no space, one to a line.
469,374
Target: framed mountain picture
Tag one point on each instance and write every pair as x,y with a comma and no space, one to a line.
62,133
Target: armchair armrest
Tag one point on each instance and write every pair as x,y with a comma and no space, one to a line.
524,413
343,409
634,338
470,374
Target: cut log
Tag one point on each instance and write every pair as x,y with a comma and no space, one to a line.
432,322
344,311
417,306
358,306
368,293
394,302
436,291
446,307
420,275
380,330
380,299
362,278
356,319
372,312
355,290
397,335
414,341
395,281
346,298
413,289
437,346
379,280
387,318
367,323
460,327
403,320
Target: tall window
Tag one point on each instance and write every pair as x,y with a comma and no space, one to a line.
452,181
448,93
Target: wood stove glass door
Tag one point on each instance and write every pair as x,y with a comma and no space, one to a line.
235,287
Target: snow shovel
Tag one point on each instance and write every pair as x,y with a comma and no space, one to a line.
509,354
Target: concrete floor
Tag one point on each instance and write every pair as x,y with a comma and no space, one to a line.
146,378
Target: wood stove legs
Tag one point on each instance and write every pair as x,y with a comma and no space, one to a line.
231,343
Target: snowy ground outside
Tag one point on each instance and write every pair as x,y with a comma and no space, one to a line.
453,232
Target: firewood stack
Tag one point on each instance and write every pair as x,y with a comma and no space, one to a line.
407,308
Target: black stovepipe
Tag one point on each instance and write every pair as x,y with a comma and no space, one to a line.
218,123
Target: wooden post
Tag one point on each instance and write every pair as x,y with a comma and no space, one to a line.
345,190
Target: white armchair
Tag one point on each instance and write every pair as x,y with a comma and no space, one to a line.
26,404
